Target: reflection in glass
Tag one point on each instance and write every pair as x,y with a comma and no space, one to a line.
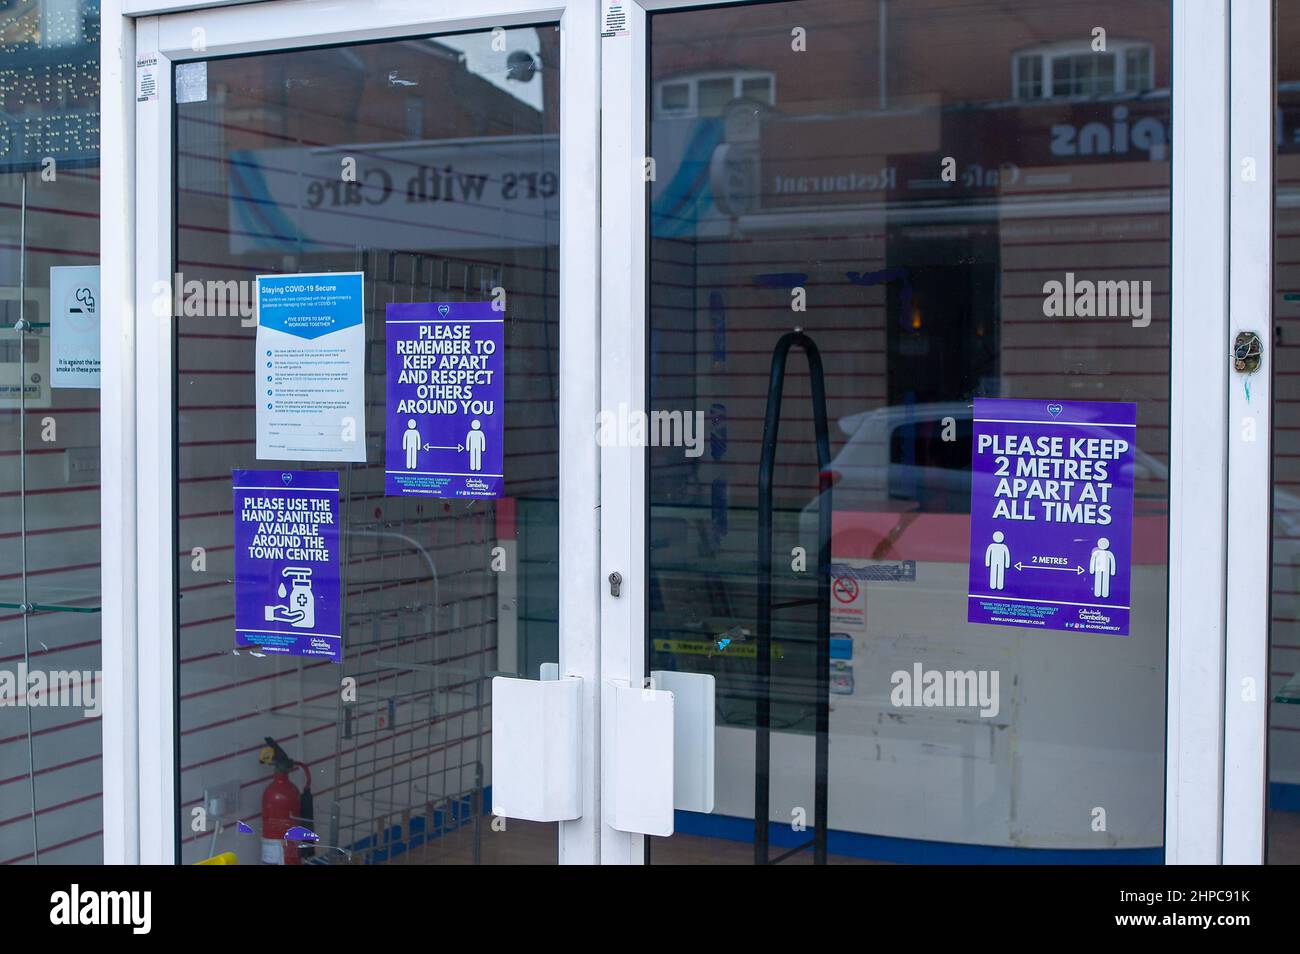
431,166
1283,824
49,435
823,206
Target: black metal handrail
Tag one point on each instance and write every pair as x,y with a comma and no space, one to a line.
763,646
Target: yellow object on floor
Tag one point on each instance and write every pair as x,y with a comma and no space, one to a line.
225,858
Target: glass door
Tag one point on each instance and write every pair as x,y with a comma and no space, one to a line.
913,377
362,237
1283,756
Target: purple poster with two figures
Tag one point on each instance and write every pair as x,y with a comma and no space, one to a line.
287,562
1051,517
446,376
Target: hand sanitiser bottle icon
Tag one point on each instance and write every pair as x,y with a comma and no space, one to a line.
300,596
300,611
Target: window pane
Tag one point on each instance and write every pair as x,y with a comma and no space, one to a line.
1029,73
714,94
922,297
1103,71
759,88
1065,78
1283,826
49,427
455,194
1137,67
675,96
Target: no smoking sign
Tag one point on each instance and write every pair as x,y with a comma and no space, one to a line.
845,589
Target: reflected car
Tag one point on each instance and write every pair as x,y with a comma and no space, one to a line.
912,459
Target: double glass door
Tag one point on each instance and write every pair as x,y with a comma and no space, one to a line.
675,339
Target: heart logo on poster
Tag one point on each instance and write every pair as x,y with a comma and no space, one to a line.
287,478
444,310
1055,410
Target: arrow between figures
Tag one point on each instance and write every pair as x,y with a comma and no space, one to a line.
1076,570
458,447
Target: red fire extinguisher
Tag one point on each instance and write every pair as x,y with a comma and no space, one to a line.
283,807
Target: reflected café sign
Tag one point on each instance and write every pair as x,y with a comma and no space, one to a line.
493,192
812,162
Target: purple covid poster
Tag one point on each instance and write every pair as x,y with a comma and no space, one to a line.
1051,523
446,376
287,599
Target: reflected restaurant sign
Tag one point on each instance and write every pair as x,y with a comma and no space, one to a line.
804,162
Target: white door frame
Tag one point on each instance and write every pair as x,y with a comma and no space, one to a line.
1198,434
623,378
139,560
1215,745
1247,695
1199,398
